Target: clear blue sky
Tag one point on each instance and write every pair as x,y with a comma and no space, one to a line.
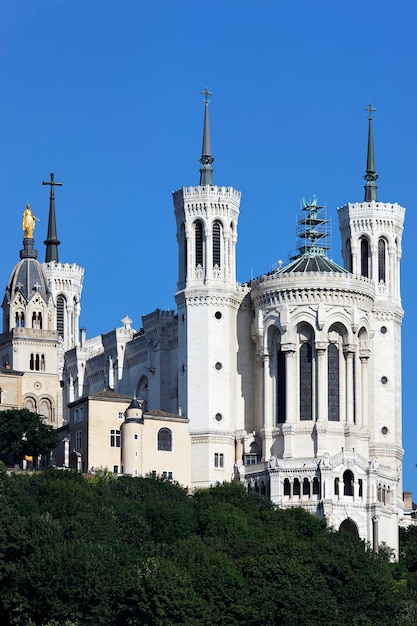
107,94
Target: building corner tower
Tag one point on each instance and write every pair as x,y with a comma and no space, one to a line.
208,298
371,233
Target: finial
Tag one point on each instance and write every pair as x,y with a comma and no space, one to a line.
371,176
206,171
51,242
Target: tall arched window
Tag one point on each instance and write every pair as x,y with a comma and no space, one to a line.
165,439
348,483
281,386
45,409
60,315
217,229
364,257
198,238
333,383
306,382
381,260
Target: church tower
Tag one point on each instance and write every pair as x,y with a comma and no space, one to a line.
208,298
371,234
29,342
65,281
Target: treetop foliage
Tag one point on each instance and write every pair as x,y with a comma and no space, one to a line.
83,551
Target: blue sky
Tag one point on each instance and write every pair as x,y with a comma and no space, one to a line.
107,95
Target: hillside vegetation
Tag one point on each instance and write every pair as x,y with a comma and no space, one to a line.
105,551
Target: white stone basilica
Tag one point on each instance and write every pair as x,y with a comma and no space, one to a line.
290,383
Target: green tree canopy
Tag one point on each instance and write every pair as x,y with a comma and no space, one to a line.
24,433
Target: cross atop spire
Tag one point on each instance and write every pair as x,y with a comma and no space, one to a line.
206,171
51,241
371,176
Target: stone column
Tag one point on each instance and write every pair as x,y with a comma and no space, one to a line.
267,421
375,537
349,384
291,383
364,359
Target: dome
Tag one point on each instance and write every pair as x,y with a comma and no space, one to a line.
313,262
28,276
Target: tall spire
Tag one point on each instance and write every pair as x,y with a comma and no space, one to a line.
206,171
370,176
51,242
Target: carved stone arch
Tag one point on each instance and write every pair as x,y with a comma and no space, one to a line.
46,408
300,318
30,402
305,332
349,527
363,338
338,329
270,326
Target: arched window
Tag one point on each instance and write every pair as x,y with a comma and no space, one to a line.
287,491
217,244
45,409
333,382
60,315
364,257
306,487
281,385
316,486
30,404
348,483
336,486
165,439
381,260
37,320
296,487
348,527
20,319
115,438
198,239
306,382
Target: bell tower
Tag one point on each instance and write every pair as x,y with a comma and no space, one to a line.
208,298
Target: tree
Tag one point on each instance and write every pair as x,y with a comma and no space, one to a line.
23,433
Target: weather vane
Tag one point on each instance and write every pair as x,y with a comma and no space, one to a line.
206,93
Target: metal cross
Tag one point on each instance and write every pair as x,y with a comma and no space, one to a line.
37,286
206,93
52,183
371,110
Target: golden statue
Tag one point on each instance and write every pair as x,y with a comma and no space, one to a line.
28,222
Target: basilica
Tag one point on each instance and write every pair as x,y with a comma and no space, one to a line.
289,383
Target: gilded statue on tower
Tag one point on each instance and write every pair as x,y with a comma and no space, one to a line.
28,222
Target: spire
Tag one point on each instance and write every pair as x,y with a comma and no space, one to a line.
206,171
370,176
51,242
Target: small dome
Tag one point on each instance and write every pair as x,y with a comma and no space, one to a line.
313,263
28,276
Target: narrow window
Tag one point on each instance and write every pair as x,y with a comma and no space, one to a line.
165,439
336,486
333,382
60,310
37,363
296,487
348,264
281,385
364,257
360,487
306,382
381,261
198,234
216,244
306,487
286,487
32,362
78,440
216,459
316,486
